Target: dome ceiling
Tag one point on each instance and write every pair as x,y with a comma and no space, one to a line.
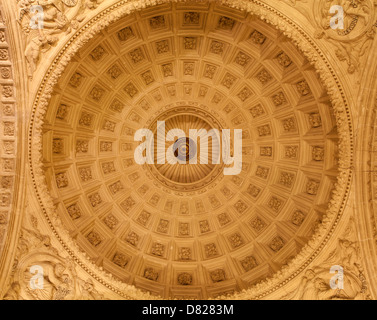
188,230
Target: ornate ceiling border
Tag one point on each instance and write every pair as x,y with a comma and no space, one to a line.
316,57
9,134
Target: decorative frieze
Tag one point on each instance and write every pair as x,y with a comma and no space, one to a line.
184,279
191,18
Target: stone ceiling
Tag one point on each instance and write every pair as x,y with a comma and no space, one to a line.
190,232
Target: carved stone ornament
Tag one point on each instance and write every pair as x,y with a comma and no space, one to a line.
126,201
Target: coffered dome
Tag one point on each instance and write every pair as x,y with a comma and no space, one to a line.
187,230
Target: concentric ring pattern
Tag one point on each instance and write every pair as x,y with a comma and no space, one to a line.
190,231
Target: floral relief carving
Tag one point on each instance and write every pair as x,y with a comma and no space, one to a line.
111,221
133,238
184,229
120,259
190,43
316,280
249,263
217,275
125,34
184,253
184,279
352,43
61,278
191,18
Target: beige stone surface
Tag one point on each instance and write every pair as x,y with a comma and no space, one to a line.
74,202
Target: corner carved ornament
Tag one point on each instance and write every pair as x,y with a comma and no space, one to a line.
330,80
314,285
352,43
61,17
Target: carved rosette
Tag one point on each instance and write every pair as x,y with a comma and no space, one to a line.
8,132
